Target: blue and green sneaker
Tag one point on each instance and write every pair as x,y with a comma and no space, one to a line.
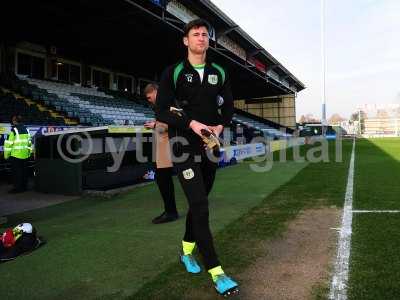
190,263
226,286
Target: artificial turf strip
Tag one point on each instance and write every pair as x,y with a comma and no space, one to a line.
377,173
375,260
107,248
237,244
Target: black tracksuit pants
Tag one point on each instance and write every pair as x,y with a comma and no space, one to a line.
197,178
166,186
19,170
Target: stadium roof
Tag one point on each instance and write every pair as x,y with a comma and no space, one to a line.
141,38
241,32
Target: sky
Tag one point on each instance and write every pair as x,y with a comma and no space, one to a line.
362,48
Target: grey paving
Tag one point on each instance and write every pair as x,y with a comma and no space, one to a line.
16,203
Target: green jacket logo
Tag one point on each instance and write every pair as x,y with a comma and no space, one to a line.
212,79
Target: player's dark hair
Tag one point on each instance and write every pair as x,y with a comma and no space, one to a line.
196,23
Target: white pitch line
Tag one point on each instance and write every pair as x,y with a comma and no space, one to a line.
340,277
376,211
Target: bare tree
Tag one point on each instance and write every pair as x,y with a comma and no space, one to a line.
335,119
309,118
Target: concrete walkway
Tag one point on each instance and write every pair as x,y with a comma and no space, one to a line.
16,203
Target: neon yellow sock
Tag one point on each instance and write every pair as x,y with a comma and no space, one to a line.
187,247
215,272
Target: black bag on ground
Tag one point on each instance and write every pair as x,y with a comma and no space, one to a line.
26,240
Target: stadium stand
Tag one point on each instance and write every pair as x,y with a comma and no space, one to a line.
91,106
88,106
258,126
267,131
30,113
49,53
62,74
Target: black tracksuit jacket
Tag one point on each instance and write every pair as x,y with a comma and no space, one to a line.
197,99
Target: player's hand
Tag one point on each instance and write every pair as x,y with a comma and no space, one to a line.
197,127
210,140
150,125
217,130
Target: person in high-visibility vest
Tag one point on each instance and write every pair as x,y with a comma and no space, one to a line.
18,148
